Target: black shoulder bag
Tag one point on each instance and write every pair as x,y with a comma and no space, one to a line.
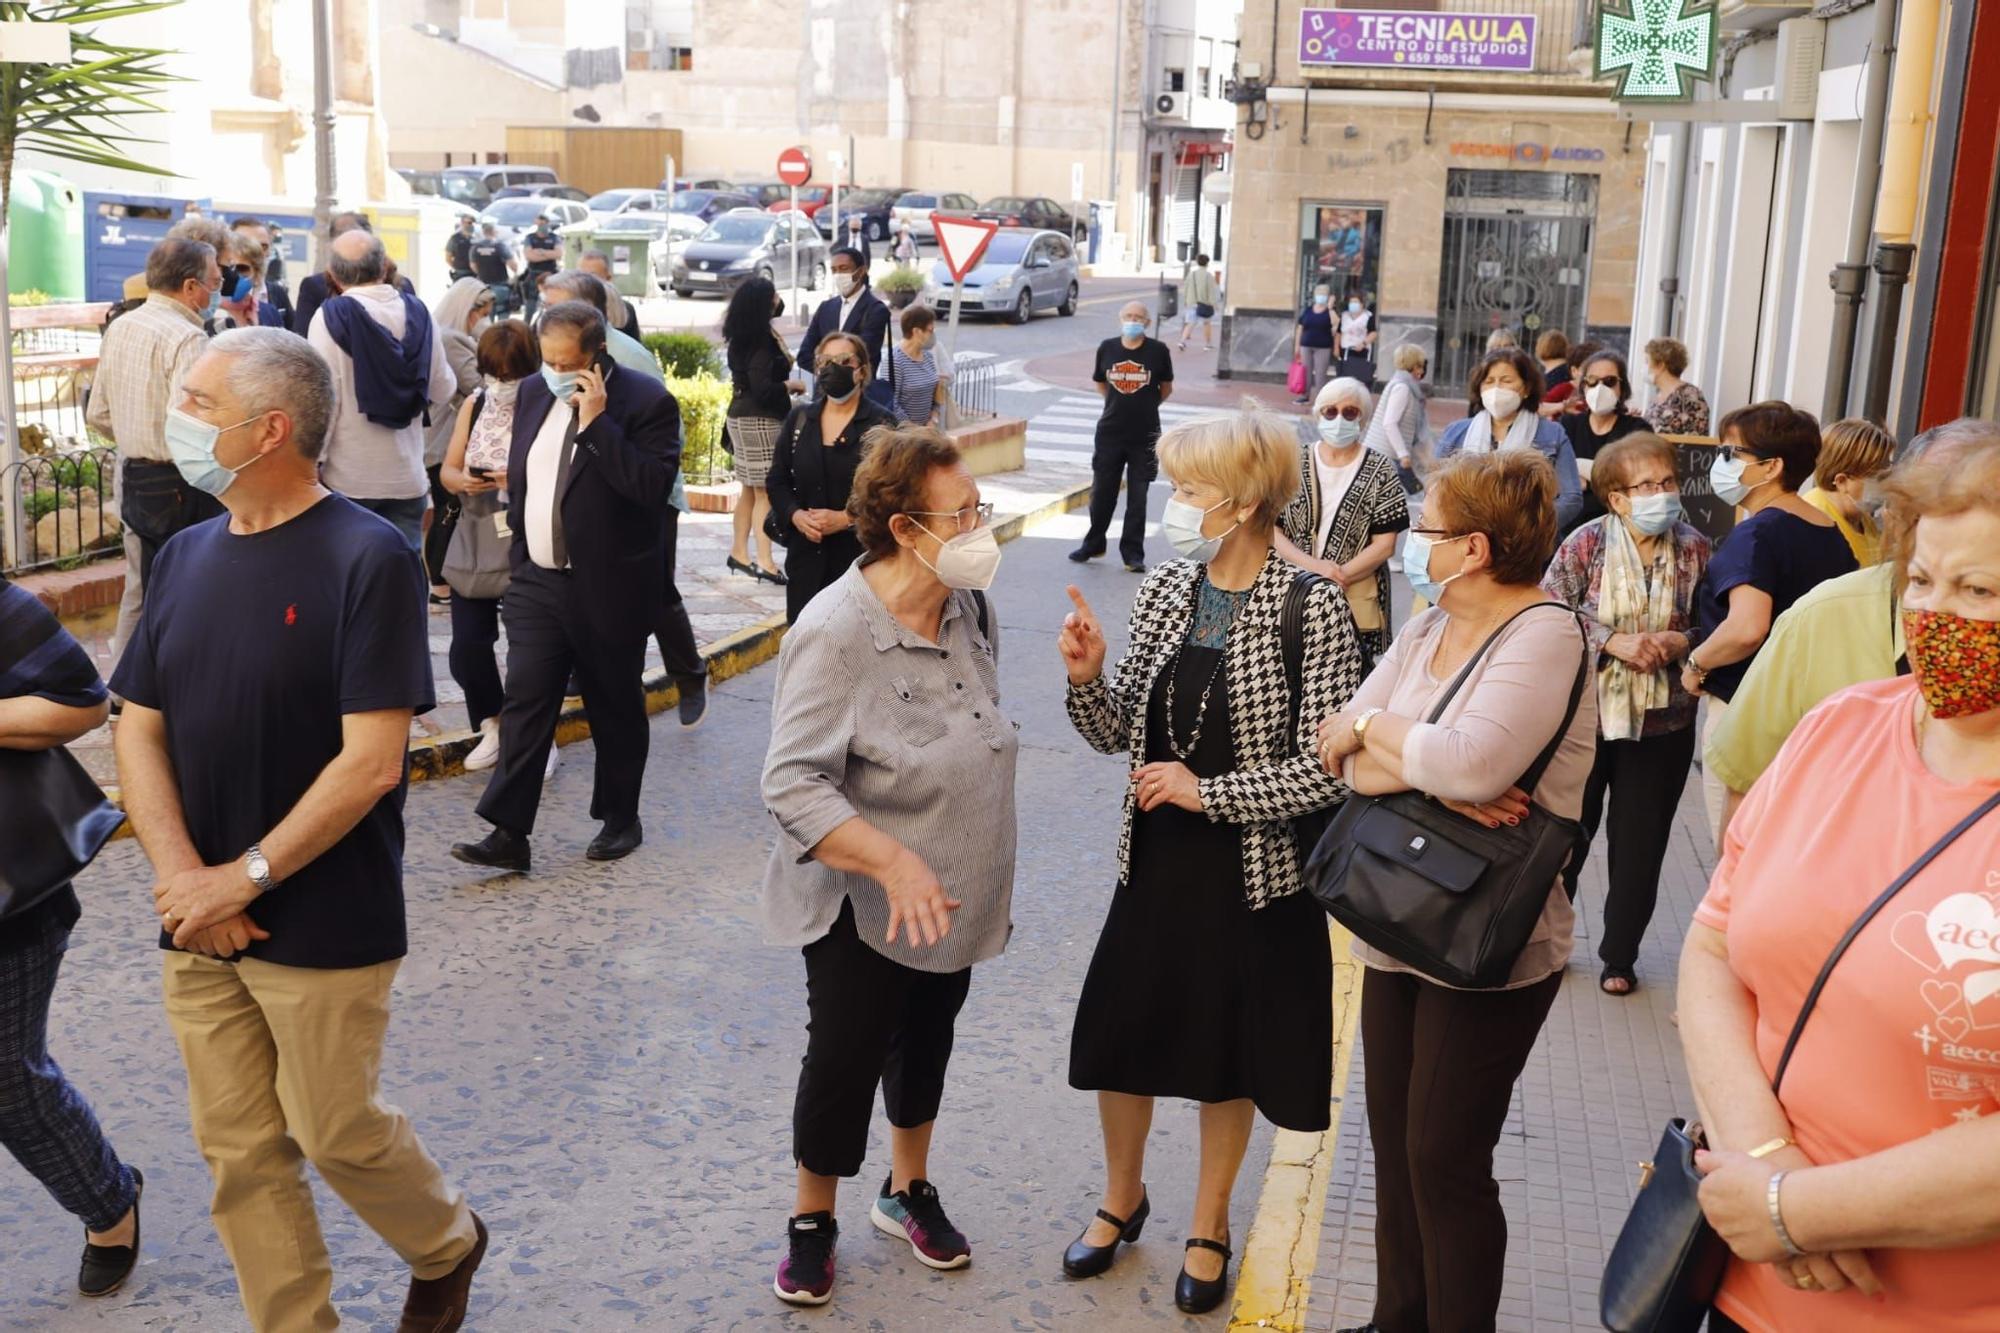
53,822
1307,828
1668,1262
788,438
1435,890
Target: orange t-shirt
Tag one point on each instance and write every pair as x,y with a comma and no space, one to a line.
1905,1039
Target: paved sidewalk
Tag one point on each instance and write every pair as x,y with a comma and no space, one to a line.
1603,1080
722,605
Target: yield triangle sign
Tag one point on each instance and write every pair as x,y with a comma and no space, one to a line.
962,241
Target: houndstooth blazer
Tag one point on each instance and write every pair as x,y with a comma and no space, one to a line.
1270,786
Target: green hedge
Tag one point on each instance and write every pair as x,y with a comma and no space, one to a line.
684,355
704,401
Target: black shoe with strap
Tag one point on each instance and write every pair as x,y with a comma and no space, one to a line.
105,1267
1194,1295
1085,1260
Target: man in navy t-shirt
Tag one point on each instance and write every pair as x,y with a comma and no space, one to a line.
263,753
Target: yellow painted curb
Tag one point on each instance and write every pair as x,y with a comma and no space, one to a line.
1278,1260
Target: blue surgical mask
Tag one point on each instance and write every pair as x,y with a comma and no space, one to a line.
214,302
1655,514
562,383
1339,431
1417,565
1319,301
1132,328
1182,525
191,444
1354,307
1725,478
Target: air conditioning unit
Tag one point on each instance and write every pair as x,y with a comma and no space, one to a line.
1801,52
1170,106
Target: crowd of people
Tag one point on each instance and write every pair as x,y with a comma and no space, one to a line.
1834,659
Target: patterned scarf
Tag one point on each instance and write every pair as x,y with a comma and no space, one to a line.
1520,433
1629,603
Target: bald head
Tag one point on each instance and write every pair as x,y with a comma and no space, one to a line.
357,259
1135,311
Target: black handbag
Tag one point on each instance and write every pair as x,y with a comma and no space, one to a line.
1668,1263
53,821
1435,890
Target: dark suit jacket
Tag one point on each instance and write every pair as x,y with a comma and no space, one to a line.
614,508
869,319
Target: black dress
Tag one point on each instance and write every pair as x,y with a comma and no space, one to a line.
1190,993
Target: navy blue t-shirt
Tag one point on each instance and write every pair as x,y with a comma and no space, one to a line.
1779,554
252,648
1315,328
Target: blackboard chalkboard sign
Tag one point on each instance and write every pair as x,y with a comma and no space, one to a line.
1695,455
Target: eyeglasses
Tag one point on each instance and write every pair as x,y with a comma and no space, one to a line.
1347,412
1438,534
243,270
1667,487
969,519
1592,383
847,361
1746,456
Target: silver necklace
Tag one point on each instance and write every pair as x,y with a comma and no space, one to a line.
1201,705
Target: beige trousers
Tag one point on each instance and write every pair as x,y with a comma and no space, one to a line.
1714,792
283,1065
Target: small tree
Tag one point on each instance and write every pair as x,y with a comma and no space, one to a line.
75,112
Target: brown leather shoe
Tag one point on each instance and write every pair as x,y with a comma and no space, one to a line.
437,1305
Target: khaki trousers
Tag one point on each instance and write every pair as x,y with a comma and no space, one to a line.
1714,791
283,1065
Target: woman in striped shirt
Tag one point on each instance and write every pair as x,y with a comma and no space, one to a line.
914,377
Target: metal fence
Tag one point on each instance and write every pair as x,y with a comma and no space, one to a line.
59,485
975,380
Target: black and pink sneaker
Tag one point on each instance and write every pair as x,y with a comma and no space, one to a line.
917,1216
806,1275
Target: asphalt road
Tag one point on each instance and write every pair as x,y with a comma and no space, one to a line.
605,1058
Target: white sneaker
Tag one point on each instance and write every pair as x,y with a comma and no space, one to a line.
487,753
555,757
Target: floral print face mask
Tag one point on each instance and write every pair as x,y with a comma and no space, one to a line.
1956,662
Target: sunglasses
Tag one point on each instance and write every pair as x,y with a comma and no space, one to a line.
1592,383
1348,412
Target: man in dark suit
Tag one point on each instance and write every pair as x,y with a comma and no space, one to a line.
855,308
592,463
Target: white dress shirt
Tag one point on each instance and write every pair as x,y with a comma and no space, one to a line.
544,461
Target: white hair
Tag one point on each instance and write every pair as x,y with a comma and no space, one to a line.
1346,389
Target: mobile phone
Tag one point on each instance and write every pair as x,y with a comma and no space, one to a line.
484,474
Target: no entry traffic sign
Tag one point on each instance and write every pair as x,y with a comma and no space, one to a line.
795,166
962,241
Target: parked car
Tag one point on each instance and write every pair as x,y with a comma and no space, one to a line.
569,192
515,218
766,194
916,206
458,188
609,204
744,244
812,198
872,205
488,181
708,205
1021,272
1013,210
683,227
712,183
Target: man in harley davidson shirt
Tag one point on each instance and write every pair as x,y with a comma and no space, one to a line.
1134,375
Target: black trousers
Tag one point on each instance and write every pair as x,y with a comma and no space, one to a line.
678,651
444,518
1441,1068
871,1020
154,503
1643,780
475,629
547,638
1133,462
812,567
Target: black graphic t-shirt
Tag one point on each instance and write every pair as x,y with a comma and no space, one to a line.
1133,376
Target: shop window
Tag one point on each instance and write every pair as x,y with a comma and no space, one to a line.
1340,245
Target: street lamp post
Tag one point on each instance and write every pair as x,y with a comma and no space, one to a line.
325,177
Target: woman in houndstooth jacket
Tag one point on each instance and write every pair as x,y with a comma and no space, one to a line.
1211,977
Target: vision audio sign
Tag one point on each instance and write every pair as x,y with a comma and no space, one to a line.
1416,39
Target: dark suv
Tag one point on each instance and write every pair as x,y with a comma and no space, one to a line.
1013,210
873,206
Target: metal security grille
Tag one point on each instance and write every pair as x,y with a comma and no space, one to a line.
1516,256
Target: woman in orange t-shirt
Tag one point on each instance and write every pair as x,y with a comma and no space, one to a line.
1880,1207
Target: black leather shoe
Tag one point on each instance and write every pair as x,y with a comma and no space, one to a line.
1135,566
1081,1260
694,704
1083,555
105,1267
498,850
1193,1295
615,842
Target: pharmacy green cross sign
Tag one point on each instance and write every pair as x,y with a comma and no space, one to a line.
1659,47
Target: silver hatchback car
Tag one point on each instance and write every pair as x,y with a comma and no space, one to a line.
1021,272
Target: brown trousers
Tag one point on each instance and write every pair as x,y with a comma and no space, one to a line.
283,1065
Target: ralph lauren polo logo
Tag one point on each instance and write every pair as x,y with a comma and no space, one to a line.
292,614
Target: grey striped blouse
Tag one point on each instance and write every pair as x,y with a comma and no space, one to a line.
872,720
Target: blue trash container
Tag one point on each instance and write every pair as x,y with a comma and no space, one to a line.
119,231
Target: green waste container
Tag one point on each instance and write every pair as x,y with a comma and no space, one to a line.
45,236
630,253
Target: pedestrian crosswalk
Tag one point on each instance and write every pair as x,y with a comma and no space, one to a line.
1067,426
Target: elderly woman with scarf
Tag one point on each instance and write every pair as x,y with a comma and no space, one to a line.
1502,400
1632,573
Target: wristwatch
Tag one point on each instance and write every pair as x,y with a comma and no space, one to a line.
258,869
1361,724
